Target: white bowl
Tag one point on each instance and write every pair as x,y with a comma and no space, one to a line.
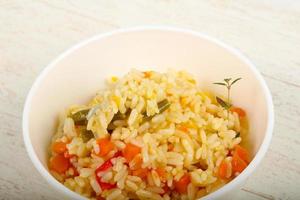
77,74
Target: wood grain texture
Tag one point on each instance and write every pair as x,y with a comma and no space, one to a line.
32,33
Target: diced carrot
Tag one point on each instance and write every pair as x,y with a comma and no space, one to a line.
242,153
147,74
105,146
130,151
162,173
223,170
68,155
170,147
183,128
181,185
239,111
142,172
190,124
138,161
238,165
59,163
59,147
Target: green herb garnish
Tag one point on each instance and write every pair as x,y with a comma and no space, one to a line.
227,83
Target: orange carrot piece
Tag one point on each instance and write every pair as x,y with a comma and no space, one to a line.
105,146
239,111
68,155
162,173
147,74
137,162
130,151
183,128
242,153
181,185
59,163
223,170
170,147
59,147
238,165
142,173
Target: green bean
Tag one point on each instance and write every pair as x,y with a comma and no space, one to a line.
79,117
111,126
118,116
162,106
121,116
86,135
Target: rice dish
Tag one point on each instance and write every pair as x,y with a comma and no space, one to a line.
149,135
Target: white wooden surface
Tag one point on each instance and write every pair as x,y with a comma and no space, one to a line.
32,33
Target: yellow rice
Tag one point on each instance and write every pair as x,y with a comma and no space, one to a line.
211,135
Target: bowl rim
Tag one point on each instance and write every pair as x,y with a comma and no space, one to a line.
216,194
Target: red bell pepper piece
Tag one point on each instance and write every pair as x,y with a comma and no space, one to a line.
105,166
107,186
108,164
117,154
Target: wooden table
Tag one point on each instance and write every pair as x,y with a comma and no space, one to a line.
32,33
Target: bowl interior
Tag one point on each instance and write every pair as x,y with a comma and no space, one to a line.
78,74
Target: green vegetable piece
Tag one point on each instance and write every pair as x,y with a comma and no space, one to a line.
111,126
121,116
118,116
79,117
162,106
147,118
86,135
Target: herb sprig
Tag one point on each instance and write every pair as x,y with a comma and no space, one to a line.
228,82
